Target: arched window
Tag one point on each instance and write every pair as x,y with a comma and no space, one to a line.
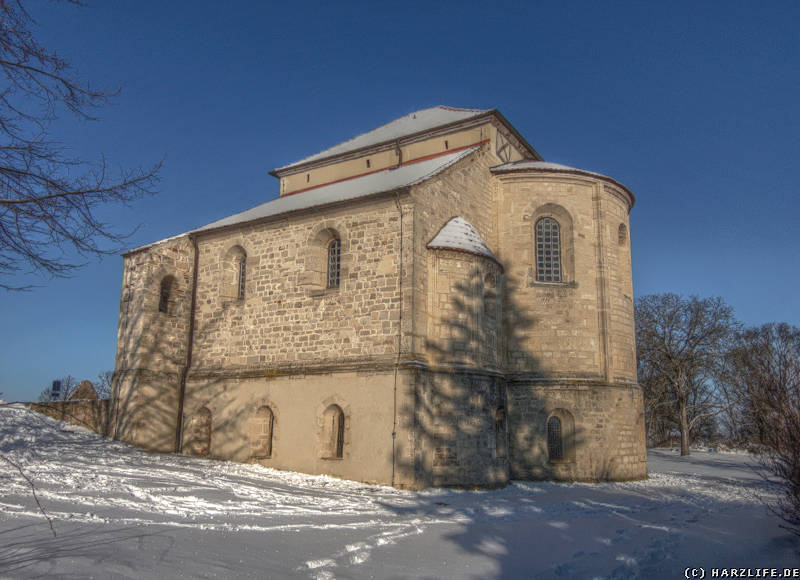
261,433
234,275
242,278
164,294
548,250
501,447
622,234
555,441
198,440
333,433
334,253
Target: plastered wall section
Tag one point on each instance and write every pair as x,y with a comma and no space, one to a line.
287,317
151,345
298,402
608,438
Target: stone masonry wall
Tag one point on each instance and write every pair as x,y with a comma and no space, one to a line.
465,190
464,320
92,414
562,334
461,430
621,330
607,442
151,345
284,319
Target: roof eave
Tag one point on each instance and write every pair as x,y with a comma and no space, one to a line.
610,180
516,134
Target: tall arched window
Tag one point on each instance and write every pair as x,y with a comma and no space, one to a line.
333,433
555,441
334,253
242,278
622,234
261,433
234,275
548,250
164,294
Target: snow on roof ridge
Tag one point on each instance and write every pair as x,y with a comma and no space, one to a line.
387,180
529,163
533,164
379,182
383,133
460,235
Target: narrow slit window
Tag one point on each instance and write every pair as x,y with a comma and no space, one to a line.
555,442
368,164
333,433
164,295
242,279
334,262
548,250
446,144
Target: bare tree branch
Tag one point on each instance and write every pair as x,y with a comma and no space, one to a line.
680,342
49,202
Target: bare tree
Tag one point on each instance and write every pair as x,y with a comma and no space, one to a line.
68,386
48,201
766,365
680,342
103,384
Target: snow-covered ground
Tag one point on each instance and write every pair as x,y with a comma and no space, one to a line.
123,513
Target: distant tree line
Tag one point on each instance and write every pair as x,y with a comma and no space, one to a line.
706,378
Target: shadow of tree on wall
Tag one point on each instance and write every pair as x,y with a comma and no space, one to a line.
454,417
467,427
147,403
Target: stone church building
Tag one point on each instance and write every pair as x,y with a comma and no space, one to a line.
428,303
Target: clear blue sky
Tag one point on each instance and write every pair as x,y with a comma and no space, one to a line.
693,105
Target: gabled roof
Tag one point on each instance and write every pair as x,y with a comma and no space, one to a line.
416,122
383,181
459,235
409,126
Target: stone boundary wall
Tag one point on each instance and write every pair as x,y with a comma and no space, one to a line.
90,414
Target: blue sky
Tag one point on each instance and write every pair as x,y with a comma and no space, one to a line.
693,105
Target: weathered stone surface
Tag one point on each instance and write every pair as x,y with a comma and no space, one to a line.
446,366
92,414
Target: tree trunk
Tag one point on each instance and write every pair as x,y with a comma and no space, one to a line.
684,429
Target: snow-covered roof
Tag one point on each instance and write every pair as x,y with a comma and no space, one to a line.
387,180
541,165
459,235
534,165
410,124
